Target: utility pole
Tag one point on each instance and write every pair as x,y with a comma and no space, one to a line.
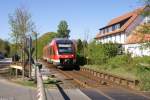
23,56
30,46
35,34
36,46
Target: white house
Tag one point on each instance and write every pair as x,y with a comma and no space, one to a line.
122,30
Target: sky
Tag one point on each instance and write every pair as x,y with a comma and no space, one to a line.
84,17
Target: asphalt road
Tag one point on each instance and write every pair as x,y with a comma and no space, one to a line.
10,91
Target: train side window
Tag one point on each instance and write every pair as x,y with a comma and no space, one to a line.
48,51
51,51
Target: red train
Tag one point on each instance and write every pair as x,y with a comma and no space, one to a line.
60,52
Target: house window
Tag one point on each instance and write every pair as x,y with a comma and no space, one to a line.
111,38
117,26
103,31
113,27
110,29
100,31
106,30
147,19
120,38
102,40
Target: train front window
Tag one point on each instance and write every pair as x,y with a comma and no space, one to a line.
65,48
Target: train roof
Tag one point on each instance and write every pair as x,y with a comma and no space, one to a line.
63,41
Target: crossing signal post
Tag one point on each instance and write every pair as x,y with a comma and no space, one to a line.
35,35
30,46
28,49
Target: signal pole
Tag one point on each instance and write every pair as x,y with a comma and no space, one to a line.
35,34
30,45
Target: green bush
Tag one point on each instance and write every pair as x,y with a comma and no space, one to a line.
111,49
126,66
119,61
98,53
95,54
81,60
143,75
144,59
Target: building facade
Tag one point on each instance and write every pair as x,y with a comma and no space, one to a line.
122,30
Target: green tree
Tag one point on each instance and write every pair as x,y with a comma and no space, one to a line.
1,44
45,39
144,29
96,53
79,47
81,60
20,24
5,48
63,31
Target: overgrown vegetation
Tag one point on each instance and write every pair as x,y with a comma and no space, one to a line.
98,53
108,58
81,46
4,48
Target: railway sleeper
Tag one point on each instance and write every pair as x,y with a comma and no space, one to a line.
112,79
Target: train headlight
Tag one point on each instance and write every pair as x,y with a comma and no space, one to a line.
74,60
72,55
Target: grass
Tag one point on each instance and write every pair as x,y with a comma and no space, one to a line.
27,83
24,82
116,71
127,67
49,83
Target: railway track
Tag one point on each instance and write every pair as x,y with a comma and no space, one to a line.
88,80
78,78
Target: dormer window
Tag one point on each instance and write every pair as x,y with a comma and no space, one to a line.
117,26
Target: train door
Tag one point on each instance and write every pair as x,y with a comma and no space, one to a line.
51,53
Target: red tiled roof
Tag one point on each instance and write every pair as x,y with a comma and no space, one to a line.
131,15
137,38
124,16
